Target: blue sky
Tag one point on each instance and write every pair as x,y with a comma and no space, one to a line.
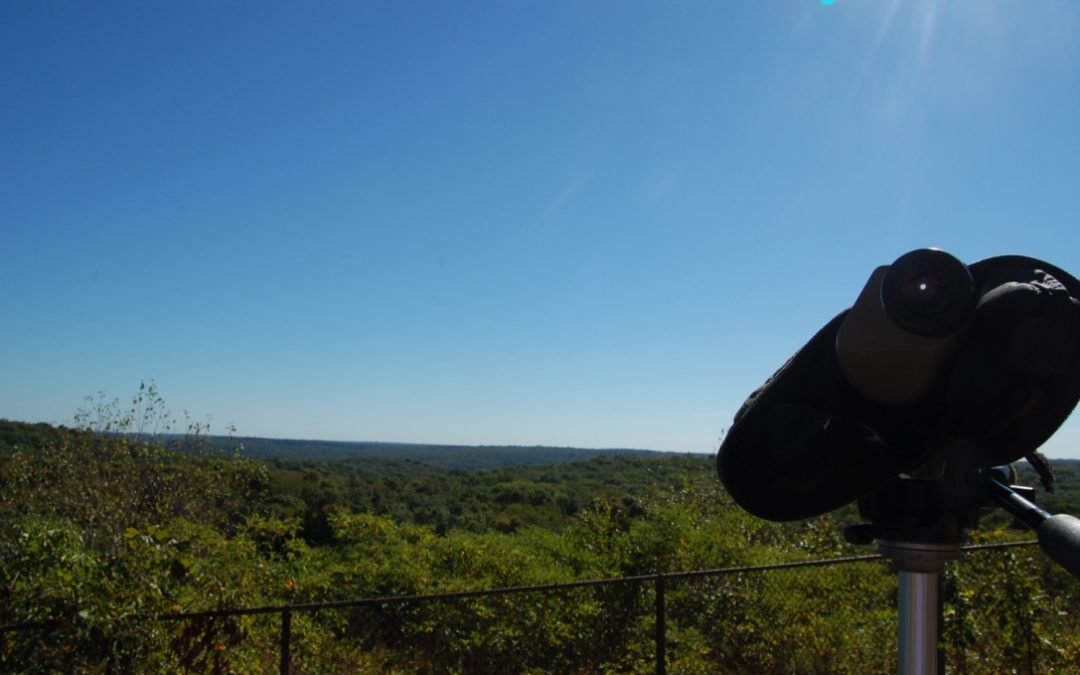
597,224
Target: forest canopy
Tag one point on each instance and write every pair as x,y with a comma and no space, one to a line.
101,529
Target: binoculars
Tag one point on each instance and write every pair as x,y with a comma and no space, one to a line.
937,363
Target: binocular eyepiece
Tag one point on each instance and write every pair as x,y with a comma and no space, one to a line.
928,292
905,324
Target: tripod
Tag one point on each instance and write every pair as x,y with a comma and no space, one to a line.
918,524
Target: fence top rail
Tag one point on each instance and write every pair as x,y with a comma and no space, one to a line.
554,587
36,625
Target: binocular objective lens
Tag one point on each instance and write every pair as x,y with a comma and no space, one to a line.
928,292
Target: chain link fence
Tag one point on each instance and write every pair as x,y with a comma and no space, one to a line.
1006,608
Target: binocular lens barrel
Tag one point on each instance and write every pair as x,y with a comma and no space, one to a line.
929,293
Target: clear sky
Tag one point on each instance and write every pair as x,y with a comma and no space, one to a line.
595,223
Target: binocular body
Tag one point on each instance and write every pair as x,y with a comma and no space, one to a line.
937,362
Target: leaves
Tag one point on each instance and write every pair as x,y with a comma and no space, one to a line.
100,533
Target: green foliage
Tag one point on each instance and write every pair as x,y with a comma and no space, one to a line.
19,436
1011,606
105,528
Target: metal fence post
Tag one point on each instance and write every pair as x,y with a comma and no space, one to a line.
661,627
286,637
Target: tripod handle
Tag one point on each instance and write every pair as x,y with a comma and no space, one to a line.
1059,536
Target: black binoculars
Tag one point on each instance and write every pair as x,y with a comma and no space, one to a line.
936,363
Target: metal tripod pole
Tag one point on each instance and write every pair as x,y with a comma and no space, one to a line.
920,566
